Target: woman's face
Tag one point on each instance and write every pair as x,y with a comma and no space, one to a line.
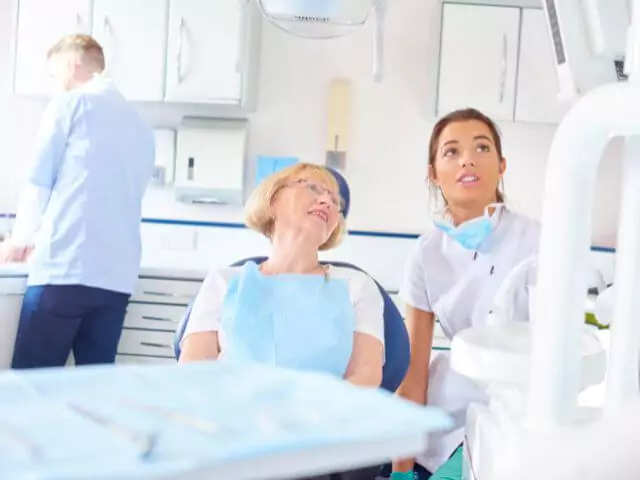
309,205
467,166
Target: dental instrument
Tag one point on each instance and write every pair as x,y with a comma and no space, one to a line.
144,443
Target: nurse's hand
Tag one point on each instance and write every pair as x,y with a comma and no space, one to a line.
14,254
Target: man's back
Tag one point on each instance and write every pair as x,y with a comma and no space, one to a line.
90,231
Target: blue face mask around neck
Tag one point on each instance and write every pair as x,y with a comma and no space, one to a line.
471,234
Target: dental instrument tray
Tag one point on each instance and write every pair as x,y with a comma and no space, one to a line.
165,421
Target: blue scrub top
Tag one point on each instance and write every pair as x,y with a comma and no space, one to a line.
95,154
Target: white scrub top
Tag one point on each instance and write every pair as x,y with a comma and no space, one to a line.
459,287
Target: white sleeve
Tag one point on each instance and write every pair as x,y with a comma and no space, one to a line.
368,307
206,311
414,289
32,204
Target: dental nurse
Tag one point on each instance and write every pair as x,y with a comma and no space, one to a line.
454,272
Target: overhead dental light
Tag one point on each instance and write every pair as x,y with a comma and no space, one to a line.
325,19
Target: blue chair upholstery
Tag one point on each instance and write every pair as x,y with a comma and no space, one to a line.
396,337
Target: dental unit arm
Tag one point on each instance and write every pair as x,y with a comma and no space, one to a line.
599,71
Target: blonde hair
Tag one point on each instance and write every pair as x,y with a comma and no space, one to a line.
258,215
89,50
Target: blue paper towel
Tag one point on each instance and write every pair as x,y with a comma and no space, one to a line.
268,165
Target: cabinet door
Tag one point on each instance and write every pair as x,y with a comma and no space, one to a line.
40,24
537,81
204,51
133,35
478,59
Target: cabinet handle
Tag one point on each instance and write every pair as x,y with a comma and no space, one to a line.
159,319
108,33
79,21
155,345
160,294
503,78
107,26
179,52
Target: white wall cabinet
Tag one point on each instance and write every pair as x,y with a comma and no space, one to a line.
537,80
133,36
162,51
205,51
499,60
38,24
478,59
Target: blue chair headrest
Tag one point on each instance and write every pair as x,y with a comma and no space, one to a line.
345,193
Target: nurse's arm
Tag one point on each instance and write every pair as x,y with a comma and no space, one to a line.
199,346
365,365
420,325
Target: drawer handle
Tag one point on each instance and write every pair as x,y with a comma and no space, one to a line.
160,294
159,319
155,345
167,295
11,294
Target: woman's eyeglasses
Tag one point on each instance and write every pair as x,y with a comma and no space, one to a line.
318,190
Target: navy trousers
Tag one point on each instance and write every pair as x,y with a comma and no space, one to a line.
58,319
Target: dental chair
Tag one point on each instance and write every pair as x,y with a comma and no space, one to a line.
395,333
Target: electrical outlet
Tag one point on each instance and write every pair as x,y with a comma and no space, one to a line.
180,238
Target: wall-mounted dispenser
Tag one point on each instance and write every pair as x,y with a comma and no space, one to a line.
210,161
165,157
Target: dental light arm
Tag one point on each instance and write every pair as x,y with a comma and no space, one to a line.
325,19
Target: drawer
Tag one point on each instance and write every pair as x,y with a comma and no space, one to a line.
145,342
123,359
153,316
181,292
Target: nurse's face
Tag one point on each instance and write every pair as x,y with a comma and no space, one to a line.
307,206
467,166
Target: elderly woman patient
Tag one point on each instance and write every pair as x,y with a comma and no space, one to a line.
290,310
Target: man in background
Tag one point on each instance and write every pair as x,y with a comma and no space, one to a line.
81,209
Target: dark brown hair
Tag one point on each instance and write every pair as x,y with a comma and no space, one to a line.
464,115
84,45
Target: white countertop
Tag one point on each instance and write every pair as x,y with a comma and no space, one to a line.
21,270
13,269
191,274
